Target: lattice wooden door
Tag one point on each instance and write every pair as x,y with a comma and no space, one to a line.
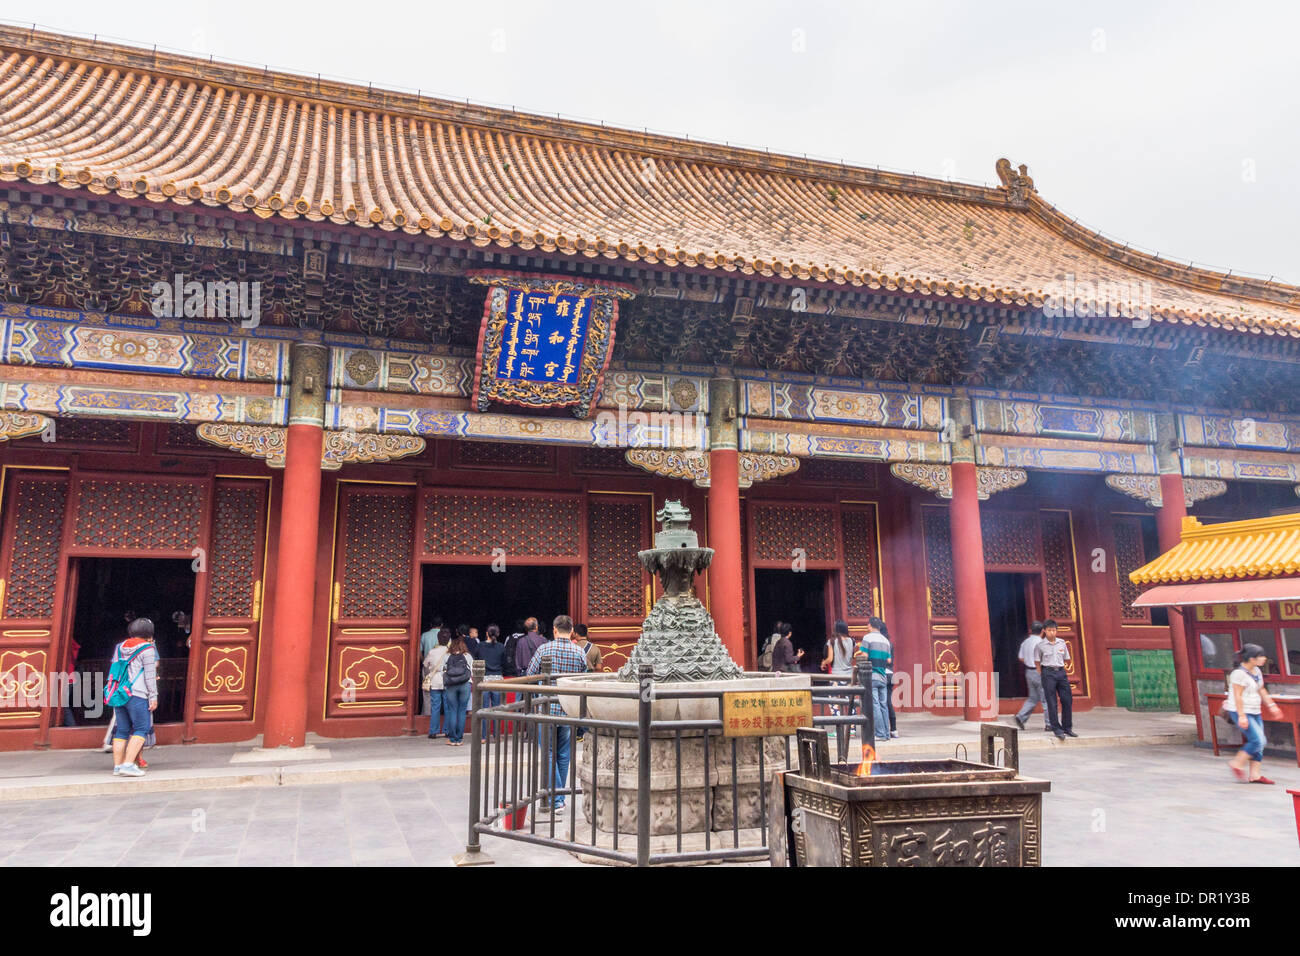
370,607
231,628
1062,591
31,594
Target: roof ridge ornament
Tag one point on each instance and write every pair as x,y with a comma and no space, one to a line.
1017,184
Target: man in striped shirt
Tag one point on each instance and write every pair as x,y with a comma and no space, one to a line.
875,647
565,657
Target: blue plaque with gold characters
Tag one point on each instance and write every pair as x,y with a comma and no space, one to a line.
545,341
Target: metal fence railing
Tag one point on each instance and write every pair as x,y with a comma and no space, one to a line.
518,777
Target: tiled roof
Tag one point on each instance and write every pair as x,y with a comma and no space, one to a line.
179,131
1236,549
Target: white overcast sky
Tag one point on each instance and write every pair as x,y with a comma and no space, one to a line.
1173,126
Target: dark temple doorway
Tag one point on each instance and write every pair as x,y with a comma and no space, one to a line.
798,598
478,596
109,590
1008,628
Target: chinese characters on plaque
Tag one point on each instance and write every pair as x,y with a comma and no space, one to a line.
1257,611
544,337
545,341
765,713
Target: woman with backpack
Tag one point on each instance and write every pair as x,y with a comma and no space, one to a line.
784,655
456,672
432,679
1247,700
132,691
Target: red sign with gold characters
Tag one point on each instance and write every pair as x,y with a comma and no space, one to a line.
765,713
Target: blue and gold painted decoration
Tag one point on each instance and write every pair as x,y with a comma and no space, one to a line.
1058,454
1065,419
840,441
93,401
486,426
1241,464
823,403
1223,431
545,341
64,338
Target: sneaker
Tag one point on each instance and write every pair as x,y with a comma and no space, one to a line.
117,770
893,733
129,770
142,763
1019,723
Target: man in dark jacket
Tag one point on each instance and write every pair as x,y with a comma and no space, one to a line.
527,646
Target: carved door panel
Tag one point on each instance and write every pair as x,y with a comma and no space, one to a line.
618,589
861,597
1061,591
370,602
228,636
31,594
940,592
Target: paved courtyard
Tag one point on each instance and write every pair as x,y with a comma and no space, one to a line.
1125,806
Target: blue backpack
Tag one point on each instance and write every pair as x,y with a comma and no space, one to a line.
117,690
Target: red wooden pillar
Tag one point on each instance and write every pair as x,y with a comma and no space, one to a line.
725,586
725,590
974,641
295,569
1169,532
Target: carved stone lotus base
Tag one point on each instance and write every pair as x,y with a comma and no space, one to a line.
708,799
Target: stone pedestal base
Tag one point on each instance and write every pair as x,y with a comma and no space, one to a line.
691,843
713,797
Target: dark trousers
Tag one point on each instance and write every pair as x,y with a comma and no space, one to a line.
1057,683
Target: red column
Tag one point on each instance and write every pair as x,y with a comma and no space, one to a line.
295,586
973,637
724,538
1169,532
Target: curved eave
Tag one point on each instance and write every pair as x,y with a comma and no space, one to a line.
110,120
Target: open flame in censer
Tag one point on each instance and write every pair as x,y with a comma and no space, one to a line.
868,758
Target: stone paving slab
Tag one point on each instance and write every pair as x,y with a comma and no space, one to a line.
53,774
1117,806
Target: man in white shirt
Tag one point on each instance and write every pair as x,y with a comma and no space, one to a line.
1052,655
1032,677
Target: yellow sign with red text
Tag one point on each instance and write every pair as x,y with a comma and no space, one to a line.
770,713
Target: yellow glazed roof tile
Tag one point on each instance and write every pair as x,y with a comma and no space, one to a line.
180,131
1260,547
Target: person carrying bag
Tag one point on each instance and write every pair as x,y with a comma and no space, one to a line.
1246,706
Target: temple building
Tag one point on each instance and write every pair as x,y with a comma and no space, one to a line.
293,366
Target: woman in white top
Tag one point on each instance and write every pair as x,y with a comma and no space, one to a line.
432,680
1246,699
839,652
839,657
